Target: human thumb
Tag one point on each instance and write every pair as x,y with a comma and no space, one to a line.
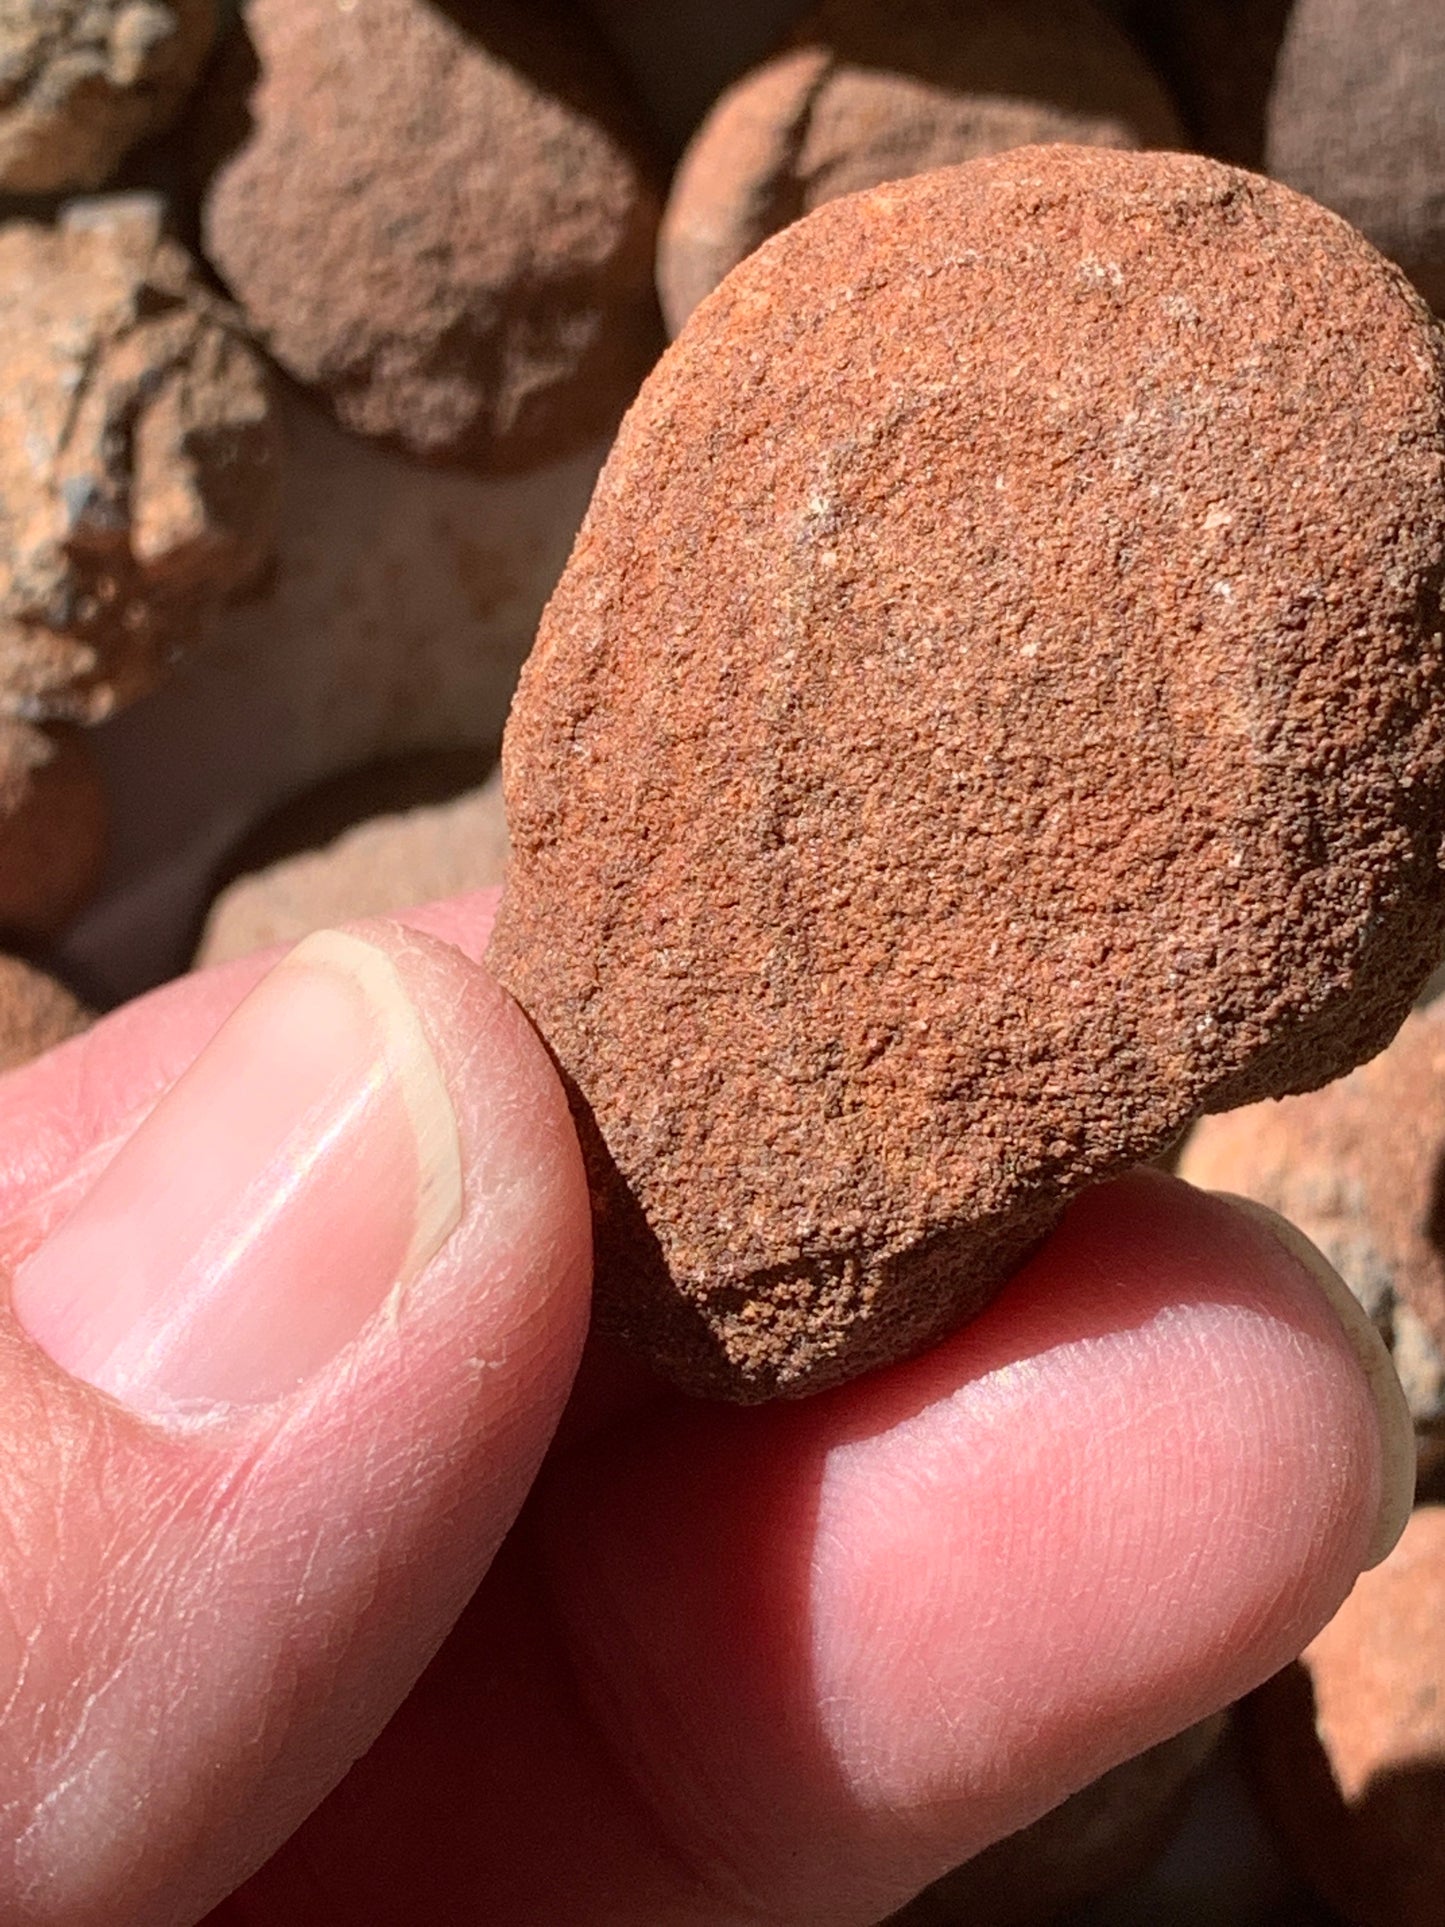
281,1359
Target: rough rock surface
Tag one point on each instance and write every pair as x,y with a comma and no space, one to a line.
1218,57
36,1013
384,862
439,222
992,715
868,91
1348,1747
138,459
1103,1835
53,821
82,80
1356,119
1360,1168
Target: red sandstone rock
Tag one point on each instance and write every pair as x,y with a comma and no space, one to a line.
1357,1167
1356,119
1102,1836
439,222
138,459
36,1013
1348,1748
82,80
868,91
301,873
992,715
53,821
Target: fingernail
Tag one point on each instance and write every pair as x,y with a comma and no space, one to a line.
305,1167
1397,1431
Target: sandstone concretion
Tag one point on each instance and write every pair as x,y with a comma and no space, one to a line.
139,462
1358,1168
868,91
82,80
991,716
390,858
1348,1747
1356,119
439,221
36,1013
53,824
1104,1835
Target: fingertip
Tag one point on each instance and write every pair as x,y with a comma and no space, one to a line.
338,1275
1126,1494
1398,1455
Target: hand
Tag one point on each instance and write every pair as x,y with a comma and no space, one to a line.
273,1405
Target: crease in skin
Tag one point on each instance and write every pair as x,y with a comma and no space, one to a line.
76,1844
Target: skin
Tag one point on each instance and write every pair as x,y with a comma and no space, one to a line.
682,1664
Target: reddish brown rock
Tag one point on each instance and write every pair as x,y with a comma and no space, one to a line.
52,830
1356,119
438,222
299,873
1348,1747
1103,1835
868,91
36,1013
82,80
138,459
1358,1168
1218,57
992,715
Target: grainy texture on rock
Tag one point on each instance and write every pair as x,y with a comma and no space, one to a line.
82,80
1103,1835
991,716
1218,57
53,821
1348,1747
36,1013
1357,119
1360,1168
438,220
869,91
138,459
398,852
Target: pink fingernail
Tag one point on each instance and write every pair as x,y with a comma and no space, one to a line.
303,1168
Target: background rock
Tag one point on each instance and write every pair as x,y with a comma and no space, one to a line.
1356,119
438,218
53,826
868,91
139,460
82,80
388,860
400,607
36,1013
1360,1168
1348,1747
682,57
1218,57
